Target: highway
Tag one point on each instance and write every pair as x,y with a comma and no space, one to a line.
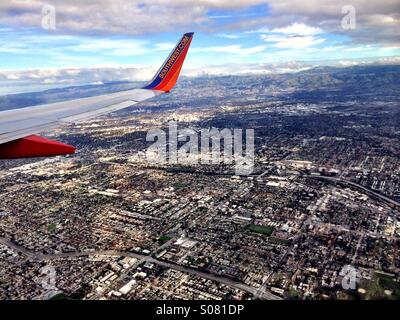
358,186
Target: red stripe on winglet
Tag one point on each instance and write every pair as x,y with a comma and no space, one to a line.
33,146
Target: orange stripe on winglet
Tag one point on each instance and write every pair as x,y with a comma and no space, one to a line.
168,74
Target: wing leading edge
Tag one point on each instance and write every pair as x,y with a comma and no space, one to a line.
18,127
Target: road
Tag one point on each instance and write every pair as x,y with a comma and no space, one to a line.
231,283
358,186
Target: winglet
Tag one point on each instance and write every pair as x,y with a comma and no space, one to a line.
168,74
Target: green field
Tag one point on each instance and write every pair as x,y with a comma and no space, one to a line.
381,282
279,240
179,186
265,230
51,227
60,296
163,239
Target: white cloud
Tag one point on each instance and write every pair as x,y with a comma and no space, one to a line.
376,21
229,36
164,46
232,49
10,49
293,36
118,16
298,29
292,29
78,75
291,42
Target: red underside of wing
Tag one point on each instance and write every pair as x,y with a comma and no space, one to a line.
33,146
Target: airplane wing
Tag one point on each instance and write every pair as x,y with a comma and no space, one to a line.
18,127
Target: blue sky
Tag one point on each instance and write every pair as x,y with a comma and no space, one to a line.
230,36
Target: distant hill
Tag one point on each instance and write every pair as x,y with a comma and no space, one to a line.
356,77
317,84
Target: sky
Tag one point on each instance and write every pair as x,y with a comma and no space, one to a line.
56,42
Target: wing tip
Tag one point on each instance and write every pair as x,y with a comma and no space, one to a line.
167,76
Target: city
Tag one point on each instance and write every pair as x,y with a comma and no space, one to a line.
324,194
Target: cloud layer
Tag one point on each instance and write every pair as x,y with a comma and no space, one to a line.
376,21
37,80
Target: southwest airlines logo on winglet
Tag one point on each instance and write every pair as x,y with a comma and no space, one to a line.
173,57
168,74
